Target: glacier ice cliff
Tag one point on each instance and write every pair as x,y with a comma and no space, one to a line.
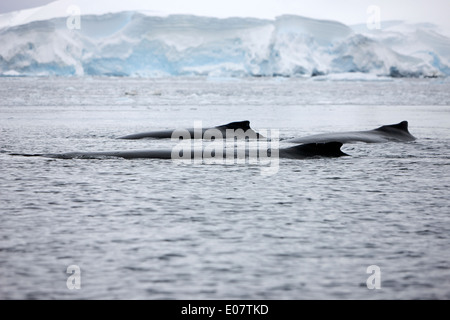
136,44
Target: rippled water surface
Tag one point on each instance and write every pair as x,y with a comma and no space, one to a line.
156,229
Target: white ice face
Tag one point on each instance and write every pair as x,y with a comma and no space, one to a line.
84,40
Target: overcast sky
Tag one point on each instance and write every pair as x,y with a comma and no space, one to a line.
346,11
13,5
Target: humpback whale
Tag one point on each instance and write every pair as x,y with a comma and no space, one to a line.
304,151
319,145
389,133
242,128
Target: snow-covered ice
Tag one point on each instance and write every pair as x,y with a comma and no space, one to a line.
156,43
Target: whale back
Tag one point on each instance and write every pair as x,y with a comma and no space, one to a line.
167,134
329,149
393,132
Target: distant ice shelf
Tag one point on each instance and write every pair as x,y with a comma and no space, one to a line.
137,44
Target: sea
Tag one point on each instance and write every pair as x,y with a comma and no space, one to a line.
371,225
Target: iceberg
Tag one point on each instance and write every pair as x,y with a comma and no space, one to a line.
149,44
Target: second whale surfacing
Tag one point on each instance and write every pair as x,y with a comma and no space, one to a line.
239,128
389,133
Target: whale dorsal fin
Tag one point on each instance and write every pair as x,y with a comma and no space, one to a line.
244,125
402,126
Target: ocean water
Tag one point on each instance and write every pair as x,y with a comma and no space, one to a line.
158,229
